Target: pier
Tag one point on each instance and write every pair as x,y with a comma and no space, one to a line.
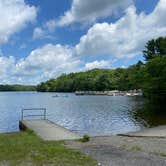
45,129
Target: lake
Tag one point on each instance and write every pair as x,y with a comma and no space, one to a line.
92,115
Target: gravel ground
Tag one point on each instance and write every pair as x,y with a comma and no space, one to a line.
145,144
124,151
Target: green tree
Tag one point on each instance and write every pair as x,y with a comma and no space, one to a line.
154,82
43,87
155,48
103,82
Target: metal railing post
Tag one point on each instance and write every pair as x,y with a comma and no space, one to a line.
43,115
22,114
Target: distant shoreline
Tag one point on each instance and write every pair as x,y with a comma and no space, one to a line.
111,93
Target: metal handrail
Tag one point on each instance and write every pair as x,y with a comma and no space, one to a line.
30,109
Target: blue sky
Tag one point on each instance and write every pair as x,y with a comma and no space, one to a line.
40,40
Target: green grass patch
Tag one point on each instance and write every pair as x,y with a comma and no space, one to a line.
25,148
136,148
160,154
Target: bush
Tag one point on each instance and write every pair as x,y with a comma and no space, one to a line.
85,138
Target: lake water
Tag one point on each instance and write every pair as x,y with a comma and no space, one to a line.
92,115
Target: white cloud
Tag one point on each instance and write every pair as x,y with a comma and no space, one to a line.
98,64
5,63
7,66
42,33
90,10
15,14
46,62
127,36
38,33
50,25
40,65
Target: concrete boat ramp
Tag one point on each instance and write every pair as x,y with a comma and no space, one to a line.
48,130
159,132
44,128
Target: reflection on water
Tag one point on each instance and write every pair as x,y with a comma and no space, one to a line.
151,114
93,115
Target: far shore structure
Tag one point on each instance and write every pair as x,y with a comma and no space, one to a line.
134,92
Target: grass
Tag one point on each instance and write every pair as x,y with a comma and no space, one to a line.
160,154
136,148
25,148
133,148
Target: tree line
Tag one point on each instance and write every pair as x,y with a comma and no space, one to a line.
17,88
149,76
96,80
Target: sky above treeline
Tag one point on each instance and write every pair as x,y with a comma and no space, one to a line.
41,39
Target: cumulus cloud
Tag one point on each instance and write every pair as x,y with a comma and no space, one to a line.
98,64
46,62
88,11
38,33
15,14
127,36
40,65
7,66
51,24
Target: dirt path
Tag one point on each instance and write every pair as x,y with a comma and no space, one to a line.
124,151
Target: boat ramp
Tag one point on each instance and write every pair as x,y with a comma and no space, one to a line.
47,130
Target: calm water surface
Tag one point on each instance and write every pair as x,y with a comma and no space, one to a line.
92,115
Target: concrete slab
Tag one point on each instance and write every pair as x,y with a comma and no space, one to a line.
48,130
159,131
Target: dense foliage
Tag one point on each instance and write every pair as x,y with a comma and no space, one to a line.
154,72
96,80
155,48
17,88
154,83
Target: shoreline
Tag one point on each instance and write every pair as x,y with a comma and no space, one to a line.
111,93
153,132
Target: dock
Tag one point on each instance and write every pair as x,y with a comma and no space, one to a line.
45,129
